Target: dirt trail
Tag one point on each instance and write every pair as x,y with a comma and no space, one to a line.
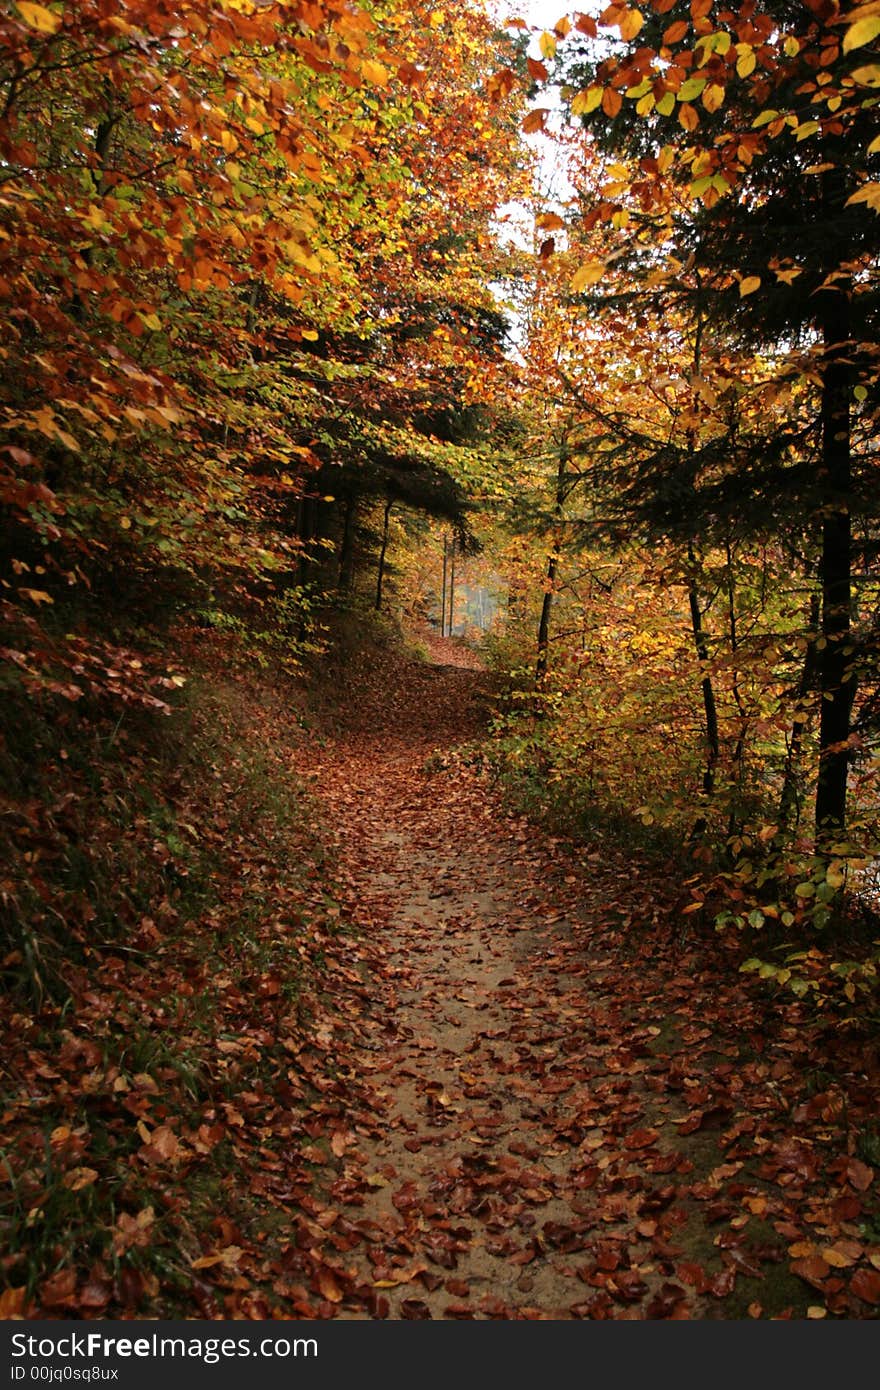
547,1127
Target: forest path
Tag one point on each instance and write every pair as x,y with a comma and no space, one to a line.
543,1076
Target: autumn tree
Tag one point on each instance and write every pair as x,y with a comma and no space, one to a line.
745,135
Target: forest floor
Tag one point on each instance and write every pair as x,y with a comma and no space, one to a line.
568,1106
365,1042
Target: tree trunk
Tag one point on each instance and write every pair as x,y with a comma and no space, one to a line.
345,578
788,799
837,681
382,553
552,569
710,710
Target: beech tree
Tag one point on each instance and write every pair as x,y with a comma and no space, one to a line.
747,196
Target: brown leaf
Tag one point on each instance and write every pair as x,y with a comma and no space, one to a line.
812,1269
641,1139
13,1302
95,1293
413,1308
866,1284
837,1258
59,1290
328,1286
859,1174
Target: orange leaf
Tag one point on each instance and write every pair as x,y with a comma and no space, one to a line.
535,120
676,31
12,1302
328,1285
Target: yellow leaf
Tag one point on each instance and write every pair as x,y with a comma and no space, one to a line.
228,141
631,23
713,96
874,146
869,194
95,218
589,274
586,101
310,335
547,45
37,595
860,33
151,321
749,285
38,17
867,76
375,72
746,61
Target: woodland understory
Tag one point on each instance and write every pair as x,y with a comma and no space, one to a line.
439,661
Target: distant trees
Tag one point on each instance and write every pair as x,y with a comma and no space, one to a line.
245,260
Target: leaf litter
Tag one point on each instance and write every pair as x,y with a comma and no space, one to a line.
573,1109
457,1067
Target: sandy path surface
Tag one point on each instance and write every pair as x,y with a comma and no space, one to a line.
510,1157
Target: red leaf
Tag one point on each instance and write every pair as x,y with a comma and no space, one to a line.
812,1269
866,1284
641,1139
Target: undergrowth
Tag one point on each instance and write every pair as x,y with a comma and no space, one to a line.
165,922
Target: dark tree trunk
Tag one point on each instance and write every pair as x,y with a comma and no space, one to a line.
837,682
546,609
305,532
552,570
788,800
710,711
346,548
380,575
